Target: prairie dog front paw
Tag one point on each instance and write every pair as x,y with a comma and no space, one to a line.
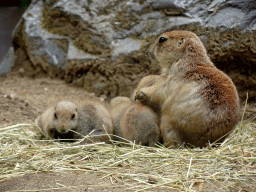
140,96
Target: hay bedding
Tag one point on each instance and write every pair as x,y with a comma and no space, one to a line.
229,167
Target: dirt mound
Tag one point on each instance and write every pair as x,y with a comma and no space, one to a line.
15,110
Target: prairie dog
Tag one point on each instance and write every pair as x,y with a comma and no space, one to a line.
199,103
94,118
58,120
134,122
90,117
148,81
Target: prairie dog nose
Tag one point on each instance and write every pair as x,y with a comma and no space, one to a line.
63,129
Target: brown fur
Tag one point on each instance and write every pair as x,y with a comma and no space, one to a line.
148,81
134,122
94,119
199,103
60,118
90,117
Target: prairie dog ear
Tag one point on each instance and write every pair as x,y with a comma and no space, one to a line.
55,115
181,41
192,45
73,116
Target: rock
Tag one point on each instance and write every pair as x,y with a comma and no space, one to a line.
233,17
100,45
125,46
7,63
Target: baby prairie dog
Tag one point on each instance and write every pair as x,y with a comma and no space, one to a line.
90,117
94,119
199,103
134,122
58,120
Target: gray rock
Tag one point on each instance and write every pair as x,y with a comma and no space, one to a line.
249,20
7,63
178,21
86,40
244,5
228,17
125,46
40,45
167,4
74,53
153,15
74,8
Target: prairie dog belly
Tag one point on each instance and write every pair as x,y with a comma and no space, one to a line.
186,108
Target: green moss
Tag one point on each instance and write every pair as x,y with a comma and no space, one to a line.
123,21
86,44
57,22
142,1
147,41
127,19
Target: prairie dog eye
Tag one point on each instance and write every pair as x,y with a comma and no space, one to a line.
55,116
180,41
162,39
73,116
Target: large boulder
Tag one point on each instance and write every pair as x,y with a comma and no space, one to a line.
101,45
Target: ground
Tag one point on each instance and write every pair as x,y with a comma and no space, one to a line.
22,99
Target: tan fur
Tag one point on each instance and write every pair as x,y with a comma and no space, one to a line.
199,103
148,81
89,117
94,119
134,122
62,118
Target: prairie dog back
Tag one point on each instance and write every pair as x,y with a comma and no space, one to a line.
94,118
134,122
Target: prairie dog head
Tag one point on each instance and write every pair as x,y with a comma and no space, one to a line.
119,100
172,46
65,116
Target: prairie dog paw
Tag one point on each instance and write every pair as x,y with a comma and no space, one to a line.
140,96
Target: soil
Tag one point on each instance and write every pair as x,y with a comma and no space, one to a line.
61,182
22,99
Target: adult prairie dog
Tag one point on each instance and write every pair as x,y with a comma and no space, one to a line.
199,103
94,119
134,122
58,120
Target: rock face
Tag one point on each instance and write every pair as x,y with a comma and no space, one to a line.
101,45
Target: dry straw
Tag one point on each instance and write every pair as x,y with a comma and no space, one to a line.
230,166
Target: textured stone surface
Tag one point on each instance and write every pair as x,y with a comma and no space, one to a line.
125,46
7,63
100,45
